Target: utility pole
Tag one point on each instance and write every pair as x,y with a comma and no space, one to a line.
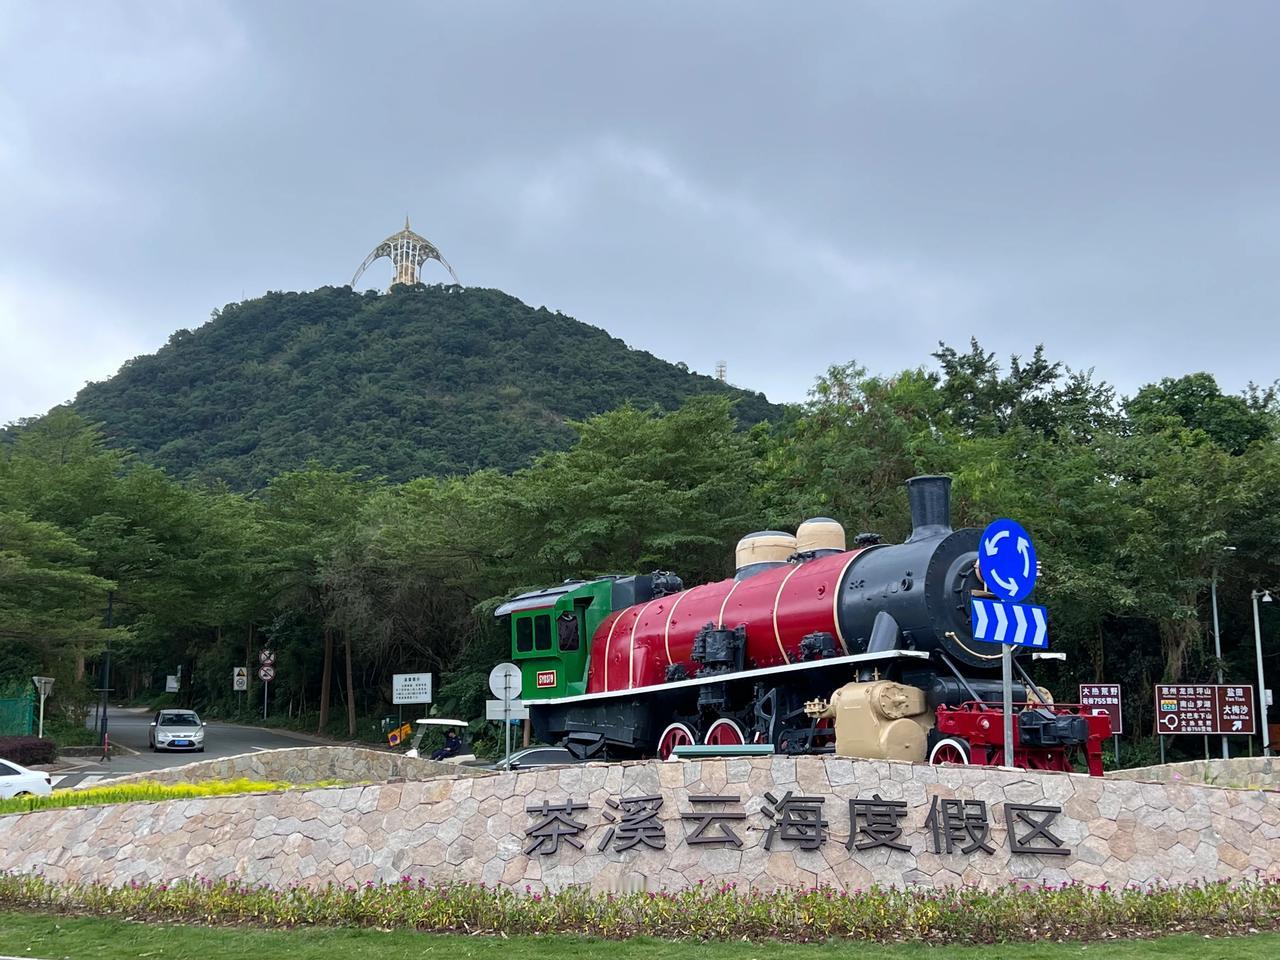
106,670
1217,638
1265,597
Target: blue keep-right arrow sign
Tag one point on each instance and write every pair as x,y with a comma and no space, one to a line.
1019,624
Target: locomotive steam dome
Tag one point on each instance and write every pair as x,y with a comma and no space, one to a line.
761,551
820,536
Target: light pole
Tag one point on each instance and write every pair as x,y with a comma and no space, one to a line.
1217,638
1265,597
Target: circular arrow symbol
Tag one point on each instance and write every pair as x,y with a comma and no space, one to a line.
1170,721
1007,559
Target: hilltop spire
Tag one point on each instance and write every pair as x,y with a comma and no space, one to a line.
408,252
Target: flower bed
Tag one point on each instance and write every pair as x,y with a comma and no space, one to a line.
1015,913
148,790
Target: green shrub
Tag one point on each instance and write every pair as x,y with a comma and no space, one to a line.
148,790
27,750
1015,913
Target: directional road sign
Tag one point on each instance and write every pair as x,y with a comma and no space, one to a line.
1019,624
1104,698
239,678
1007,560
266,673
505,710
504,681
1204,708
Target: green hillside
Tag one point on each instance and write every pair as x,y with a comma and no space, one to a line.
422,380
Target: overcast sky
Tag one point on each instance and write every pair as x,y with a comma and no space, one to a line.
781,186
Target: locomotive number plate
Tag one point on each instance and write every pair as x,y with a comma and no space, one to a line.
546,678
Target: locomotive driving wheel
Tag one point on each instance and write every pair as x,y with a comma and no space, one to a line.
950,750
724,733
676,735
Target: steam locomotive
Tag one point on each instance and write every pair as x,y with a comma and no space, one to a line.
811,647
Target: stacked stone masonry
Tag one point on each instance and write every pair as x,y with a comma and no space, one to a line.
1246,772
474,829
308,765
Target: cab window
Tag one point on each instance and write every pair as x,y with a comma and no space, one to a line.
542,632
524,635
567,631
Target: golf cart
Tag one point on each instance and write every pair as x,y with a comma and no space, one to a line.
464,754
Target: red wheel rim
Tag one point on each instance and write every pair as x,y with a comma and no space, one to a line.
948,752
724,733
676,735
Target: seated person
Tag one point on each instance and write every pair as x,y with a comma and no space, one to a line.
452,745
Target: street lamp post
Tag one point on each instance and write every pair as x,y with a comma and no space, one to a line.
1265,597
1217,637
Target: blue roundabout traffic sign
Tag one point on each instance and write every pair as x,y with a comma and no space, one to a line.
1007,560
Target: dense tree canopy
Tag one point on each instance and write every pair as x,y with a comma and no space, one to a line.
424,380
1132,502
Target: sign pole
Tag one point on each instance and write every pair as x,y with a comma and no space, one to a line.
506,716
1162,749
1117,751
1006,664
265,685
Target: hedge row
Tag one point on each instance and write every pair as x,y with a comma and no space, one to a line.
1016,913
28,750
150,790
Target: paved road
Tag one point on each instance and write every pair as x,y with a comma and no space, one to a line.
130,754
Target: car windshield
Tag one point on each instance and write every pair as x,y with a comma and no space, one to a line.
179,720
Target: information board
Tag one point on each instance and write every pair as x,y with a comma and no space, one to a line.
411,688
1104,698
1204,708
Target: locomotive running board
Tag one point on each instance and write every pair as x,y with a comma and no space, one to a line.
855,658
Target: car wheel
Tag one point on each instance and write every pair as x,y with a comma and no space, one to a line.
199,749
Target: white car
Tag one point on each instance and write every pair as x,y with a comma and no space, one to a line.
16,781
176,730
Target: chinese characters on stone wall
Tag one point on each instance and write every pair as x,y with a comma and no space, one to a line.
952,826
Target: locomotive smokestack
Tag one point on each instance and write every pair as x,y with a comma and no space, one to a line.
930,506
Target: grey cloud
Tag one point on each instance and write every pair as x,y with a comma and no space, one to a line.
779,186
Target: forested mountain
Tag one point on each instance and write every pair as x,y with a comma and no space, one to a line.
425,380
1132,501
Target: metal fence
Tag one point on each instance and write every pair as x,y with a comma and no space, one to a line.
16,715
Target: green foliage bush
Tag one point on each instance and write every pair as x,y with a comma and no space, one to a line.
1015,913
28,750
148,790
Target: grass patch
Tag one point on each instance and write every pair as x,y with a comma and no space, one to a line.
149,790
42,935
1011,914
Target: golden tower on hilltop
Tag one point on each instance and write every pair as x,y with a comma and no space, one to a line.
408,251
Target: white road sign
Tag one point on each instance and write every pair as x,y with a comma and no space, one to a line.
239,678
504,681
171,684
505,710
266,673
266,657
411,688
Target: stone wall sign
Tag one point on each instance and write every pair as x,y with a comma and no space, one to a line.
756,822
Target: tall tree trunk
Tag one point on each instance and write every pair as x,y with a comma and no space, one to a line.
351,690
79,665
326,678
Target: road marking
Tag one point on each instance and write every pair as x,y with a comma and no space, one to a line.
74,781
